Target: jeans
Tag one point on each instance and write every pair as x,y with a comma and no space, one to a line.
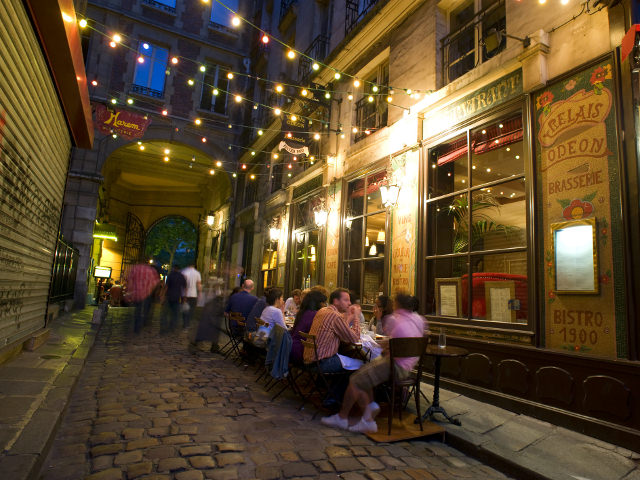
188,315
338,385
141,313
331,365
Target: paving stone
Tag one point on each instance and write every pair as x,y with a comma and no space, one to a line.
334,452
128,457
324,466
172,464
311,455
230,447
391,461
225,459
371,463
222,474
196,450
176,439
106,449
289,456
110,474
132,433
161,422
104,438
202,461
158,432
298,469
155,453
344,464
266,472
101,463
398,475
190,475
353,476
421,474
142,443
136,470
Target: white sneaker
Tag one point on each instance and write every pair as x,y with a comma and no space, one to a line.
335,421
374,409
364,427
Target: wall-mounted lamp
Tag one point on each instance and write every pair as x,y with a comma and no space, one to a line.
493,40
210,219
389,194
274,234
320,216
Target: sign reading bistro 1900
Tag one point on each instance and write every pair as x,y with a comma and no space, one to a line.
578,178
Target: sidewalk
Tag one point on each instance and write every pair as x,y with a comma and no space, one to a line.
34,391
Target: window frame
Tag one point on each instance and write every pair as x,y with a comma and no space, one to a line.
532,325
475,23
152,59
380,77
271,246
233,7
375,169
219,70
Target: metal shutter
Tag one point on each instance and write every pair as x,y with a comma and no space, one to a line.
34,154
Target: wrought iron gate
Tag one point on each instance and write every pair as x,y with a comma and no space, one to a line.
133,244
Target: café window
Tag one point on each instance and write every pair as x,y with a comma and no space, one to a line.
475,265
269,264
215,85
472,36
306,244
365,234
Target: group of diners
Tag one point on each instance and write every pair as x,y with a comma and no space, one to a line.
333,319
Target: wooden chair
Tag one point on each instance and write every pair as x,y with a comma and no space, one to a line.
401,348
235,326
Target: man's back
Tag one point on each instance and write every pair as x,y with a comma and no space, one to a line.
176,283
241,302
192,277
330,328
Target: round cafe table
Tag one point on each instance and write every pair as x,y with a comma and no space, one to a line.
439,354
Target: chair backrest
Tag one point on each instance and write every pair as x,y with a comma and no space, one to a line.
261,323
238,318
408,347
309,341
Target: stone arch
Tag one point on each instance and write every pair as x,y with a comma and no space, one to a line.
159,242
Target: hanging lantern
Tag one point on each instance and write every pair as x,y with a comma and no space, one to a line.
389,194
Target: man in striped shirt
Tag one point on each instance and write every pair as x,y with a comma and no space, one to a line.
331,325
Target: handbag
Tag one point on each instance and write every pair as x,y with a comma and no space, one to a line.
185,307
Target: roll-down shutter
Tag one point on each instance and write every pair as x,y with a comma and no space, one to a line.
34,153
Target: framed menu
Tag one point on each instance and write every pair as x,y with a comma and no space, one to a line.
575,257
499,297
448,297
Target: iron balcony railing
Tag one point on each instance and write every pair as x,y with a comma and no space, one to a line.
318,50
462,49
356,11
285,5
149,92
160,6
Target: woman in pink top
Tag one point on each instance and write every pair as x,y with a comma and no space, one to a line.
405,323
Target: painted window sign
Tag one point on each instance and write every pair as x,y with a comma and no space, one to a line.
578,178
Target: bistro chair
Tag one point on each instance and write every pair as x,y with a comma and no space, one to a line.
401,348
262,350
235,326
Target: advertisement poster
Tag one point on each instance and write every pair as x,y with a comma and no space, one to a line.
404,242
578,179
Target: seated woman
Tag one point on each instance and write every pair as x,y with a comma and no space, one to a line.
272,314
313,301
406,323
382,315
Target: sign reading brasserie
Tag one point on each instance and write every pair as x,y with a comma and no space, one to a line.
295,132
128,125
578,182
481,100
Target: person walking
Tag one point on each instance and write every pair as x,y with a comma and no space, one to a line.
176,284
141,283
191,291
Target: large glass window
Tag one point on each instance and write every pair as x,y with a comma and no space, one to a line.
269,264
365,247
214,89
149,76
476,225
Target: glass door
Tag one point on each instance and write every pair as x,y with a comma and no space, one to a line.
305,261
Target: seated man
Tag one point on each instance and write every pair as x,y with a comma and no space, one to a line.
115,295
330,326
292,304
406,323
242,302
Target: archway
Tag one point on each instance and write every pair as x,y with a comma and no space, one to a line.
172,240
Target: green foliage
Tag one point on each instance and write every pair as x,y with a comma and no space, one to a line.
170,238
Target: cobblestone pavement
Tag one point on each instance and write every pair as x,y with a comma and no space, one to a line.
146,408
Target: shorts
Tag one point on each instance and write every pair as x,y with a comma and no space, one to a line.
375,373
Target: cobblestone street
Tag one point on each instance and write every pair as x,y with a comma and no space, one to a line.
146,408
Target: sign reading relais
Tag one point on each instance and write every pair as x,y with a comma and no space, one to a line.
578,181
128,125
404,170
481,100
295,132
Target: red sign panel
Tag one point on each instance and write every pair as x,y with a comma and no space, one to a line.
127,124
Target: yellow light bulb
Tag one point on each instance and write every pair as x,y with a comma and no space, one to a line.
198,121
277,111
230,76
291,54
235,21
304,92
117,38
218,163
82,23
238,98
279,88
293,118
356,83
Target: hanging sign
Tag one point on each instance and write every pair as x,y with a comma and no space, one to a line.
296,135
129,125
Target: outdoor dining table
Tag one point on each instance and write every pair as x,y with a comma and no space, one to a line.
439,353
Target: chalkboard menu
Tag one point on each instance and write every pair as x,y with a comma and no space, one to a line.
34,154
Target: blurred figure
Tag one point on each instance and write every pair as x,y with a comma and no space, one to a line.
191,291
115,294
176,284
141,283
211,319
382,314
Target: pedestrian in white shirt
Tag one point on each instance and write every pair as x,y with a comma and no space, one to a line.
191,291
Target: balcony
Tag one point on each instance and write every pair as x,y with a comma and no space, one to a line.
356,11
285,7
160,6
147,91
318,50
370,116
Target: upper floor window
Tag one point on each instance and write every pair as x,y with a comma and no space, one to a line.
214,89
151,72
470,23
221,15
356,11
372,109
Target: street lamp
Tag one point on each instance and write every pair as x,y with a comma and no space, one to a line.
389,194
